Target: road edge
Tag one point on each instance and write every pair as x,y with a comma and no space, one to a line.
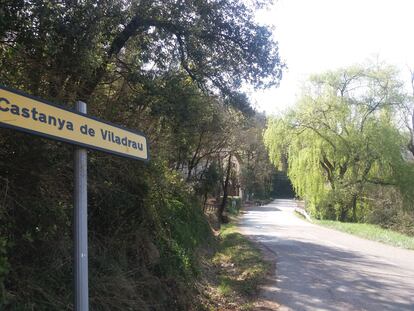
262,303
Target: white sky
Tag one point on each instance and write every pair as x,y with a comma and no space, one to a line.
319,35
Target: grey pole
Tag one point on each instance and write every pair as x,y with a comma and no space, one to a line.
81,299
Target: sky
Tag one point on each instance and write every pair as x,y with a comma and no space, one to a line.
319,35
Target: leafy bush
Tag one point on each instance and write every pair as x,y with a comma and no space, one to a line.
144,225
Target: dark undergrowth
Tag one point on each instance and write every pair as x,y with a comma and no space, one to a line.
145,226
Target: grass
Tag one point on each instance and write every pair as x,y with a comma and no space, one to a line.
371,232
244,265
233,270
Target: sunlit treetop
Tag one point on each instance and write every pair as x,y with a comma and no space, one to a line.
217,43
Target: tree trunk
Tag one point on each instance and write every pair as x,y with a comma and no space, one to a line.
354,207
342,215
117,44
225,192
411,143
205,201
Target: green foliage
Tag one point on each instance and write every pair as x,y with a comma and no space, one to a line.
170,69
81,43
145,226
372,232
233,270
389,211
248,266
257,171
209,181
182,230
342,141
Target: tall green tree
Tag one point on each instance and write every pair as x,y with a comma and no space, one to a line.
408,116
70,48
257,170
169,68
342,138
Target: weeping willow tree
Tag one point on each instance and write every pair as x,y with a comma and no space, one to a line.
342,139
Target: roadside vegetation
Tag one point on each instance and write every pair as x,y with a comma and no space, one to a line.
171,69
367,231
248,267
233,272
347,147
371,232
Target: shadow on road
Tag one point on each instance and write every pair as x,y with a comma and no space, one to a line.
316,271
317,277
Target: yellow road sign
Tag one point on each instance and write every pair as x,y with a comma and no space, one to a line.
36,116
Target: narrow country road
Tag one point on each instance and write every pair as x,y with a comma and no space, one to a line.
323,269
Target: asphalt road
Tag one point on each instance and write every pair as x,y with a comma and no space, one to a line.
323,269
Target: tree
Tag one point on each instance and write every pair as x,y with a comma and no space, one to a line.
342,138
226,181
257,170
208,182
169,68
71,48
408,116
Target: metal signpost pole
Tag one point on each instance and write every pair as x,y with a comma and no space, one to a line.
45,119
81,299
